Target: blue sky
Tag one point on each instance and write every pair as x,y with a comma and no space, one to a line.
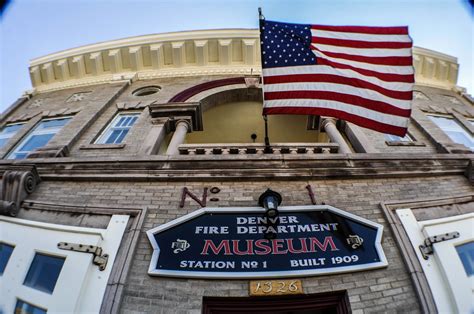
32,28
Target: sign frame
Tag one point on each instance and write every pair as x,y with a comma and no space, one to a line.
153,271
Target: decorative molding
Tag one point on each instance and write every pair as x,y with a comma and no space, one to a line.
133,105
249,167
177,54
404,143
193,53
190,92
258,149
470,172
50,152
435,69
101,146
177,111
17,183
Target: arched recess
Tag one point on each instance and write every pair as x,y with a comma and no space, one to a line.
232,113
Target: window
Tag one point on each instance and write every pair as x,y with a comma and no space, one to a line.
44,272
7,132
147,90
5,253
22,307
118,128
466,254
39,137
395,138
454,130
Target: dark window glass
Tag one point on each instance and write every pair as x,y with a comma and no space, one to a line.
44,272
5,253
466,254
22,307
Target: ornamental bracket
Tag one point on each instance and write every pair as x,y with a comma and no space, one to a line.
427,247
17,183
99,258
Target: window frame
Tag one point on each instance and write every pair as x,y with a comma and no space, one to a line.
457,122
111,126
391,138
18,300
34,285
35,132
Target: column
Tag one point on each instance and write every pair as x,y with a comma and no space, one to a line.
335,136
182,127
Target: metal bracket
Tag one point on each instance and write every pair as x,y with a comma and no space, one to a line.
427,248
99,258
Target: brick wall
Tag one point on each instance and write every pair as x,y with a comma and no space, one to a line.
372,291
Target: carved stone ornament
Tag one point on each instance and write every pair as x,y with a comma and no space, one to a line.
17,184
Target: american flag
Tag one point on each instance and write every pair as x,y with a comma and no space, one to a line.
359,74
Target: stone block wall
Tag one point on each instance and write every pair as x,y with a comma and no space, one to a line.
375,291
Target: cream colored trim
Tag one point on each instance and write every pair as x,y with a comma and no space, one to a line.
435,69
191,53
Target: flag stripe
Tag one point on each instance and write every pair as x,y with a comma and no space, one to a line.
317,81
406,52
407,78
389,60
343,73
389,30
359,120
360,43
340,97
362,37
336,105
366,66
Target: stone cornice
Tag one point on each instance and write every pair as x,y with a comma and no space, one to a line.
226,167
435,69
191,53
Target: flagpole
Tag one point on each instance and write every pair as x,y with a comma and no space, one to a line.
261,20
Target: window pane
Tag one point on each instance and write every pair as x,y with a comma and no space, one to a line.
8,132
455,131
11,128
5,253
44,272
53,123
22,307
121,121
36,141
113,138
395,138
121,136
118,129
466,254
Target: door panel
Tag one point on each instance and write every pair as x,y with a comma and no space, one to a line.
78,275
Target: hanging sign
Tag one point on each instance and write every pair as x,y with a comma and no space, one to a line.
243,243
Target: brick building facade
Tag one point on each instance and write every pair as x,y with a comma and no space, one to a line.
112,143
